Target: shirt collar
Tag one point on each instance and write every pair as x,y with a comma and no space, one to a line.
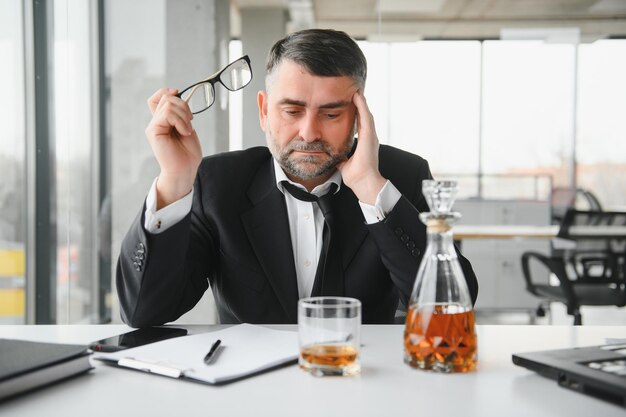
319,191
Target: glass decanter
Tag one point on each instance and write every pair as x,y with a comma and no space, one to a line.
440,333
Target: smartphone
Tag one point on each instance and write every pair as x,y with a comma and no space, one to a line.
356,142
356,139
136,338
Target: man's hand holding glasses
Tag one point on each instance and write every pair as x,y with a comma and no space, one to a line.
171,135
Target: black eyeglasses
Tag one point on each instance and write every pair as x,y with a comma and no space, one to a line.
201,95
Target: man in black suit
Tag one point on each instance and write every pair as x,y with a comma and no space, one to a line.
234,221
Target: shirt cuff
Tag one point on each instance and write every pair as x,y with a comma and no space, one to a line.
385,202
159,221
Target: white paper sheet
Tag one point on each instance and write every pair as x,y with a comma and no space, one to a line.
245,349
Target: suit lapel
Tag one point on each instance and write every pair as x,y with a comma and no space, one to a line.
267,227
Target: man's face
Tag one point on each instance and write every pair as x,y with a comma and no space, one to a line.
308,120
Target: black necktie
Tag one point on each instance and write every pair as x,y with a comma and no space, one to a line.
329,273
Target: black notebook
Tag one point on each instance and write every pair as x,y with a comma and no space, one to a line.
25,365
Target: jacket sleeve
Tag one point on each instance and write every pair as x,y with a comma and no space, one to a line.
162,276
401,239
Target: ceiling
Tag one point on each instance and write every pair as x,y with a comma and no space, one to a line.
453,19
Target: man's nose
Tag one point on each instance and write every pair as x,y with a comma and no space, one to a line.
310,128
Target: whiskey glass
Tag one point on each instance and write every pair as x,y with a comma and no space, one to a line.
329,330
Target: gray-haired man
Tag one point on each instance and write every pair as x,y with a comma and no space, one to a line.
239,221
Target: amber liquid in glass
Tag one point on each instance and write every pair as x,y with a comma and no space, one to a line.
440,338
329,355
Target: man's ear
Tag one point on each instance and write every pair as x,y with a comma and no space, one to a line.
261,99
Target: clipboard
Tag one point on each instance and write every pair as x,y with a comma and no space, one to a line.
246,350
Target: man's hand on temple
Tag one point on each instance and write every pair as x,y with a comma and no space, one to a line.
175,145
360,172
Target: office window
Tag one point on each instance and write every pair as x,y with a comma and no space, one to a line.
76,142
13,163
528,108
425,98
601,144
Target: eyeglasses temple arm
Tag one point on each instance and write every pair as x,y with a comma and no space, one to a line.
193,90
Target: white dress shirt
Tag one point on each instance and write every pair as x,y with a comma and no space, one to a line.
306,220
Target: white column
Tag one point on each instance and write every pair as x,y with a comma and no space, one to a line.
196,46
260,29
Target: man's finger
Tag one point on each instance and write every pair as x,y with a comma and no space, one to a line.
176,105
173,103
155,99
173,112
182,126
365,119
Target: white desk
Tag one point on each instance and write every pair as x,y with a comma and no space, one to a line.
532,232
386,387
462,232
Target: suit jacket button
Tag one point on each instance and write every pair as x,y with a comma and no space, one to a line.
138,269
398,231
404,238
415,252
410,244
141,247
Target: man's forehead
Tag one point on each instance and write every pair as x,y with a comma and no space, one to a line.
295,85
336,104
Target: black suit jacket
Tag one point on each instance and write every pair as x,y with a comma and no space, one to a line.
236,238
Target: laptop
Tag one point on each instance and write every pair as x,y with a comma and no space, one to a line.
599,371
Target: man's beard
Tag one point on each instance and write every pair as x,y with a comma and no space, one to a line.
308,167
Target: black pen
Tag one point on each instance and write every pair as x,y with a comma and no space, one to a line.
209,356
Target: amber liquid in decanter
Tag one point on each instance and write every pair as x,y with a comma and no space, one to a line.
438,339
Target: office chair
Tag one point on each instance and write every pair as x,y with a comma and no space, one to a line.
564,198
591,200
588,260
